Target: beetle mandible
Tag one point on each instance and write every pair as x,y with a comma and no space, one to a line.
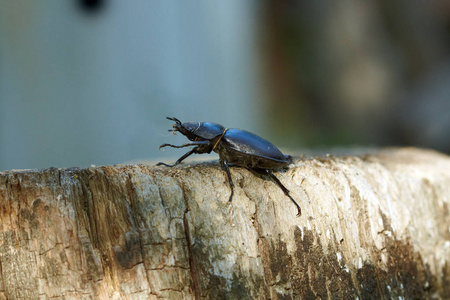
235,147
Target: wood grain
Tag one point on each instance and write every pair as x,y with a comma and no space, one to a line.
373,226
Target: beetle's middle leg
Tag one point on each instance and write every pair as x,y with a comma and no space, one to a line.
225,166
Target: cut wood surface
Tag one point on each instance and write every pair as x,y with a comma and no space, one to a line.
373,226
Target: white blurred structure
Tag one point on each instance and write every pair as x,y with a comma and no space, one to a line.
81,88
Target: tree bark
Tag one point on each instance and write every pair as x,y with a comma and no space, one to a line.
373,226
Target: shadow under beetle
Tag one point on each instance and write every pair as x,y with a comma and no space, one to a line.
235,147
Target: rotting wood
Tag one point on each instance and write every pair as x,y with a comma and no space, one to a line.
373,226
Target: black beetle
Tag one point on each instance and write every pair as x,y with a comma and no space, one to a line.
235,147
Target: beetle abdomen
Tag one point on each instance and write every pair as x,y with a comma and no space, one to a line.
251,144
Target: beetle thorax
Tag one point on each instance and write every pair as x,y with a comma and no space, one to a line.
209,131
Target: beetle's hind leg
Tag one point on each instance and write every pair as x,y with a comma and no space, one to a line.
225,166
285,190
278,182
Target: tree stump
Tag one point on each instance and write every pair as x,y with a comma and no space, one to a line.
373,226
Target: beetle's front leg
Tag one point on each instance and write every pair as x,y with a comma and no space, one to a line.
198,143
202,147
179,160
224,165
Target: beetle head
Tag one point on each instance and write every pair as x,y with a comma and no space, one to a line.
187,129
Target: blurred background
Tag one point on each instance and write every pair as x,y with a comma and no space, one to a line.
91,81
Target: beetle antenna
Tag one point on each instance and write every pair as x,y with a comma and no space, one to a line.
173,130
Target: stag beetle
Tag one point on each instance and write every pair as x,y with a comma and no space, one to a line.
235,147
